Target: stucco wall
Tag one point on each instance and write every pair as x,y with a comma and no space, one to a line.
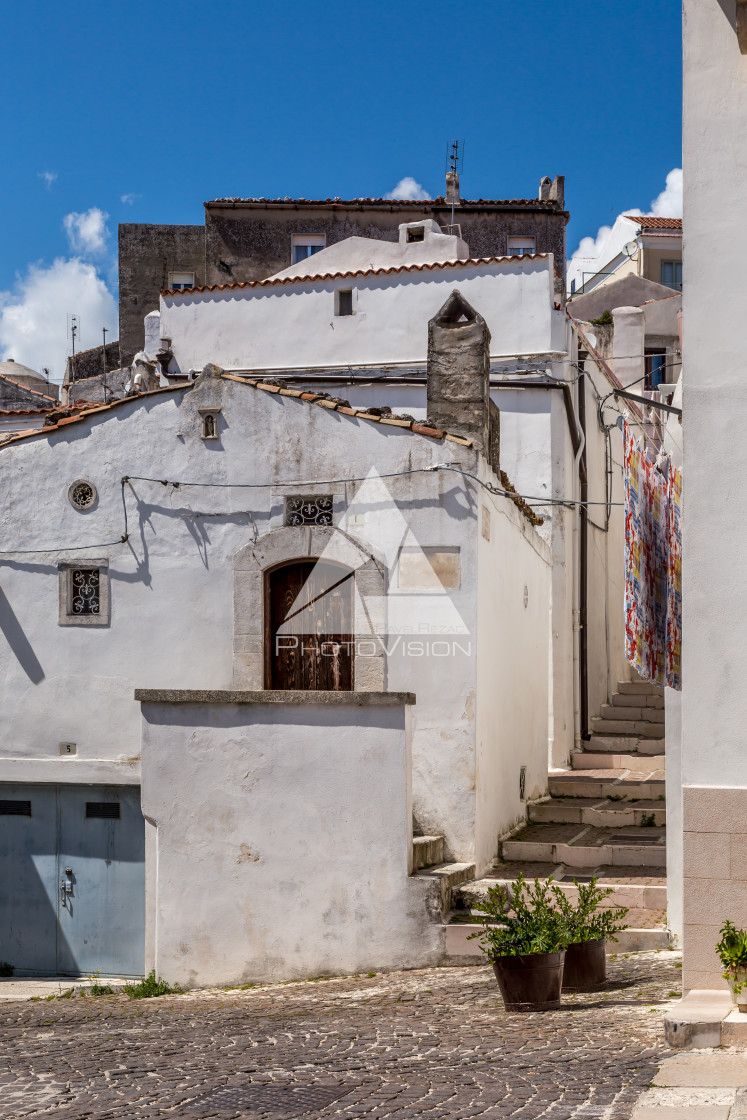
172,581
283,839
270,327
512,672
714,661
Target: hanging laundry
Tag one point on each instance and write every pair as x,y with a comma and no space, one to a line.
653,566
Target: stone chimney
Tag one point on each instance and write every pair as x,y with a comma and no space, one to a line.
452,188
459,376
553,190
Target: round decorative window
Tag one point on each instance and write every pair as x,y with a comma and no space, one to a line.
82,495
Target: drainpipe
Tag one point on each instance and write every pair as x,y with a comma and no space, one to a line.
583,569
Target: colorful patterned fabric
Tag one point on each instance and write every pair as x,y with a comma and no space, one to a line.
653,566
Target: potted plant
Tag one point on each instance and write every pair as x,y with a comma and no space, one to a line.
589,928
524,938
732,951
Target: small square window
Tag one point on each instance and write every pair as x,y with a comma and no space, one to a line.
415,233
83,593
178,281
304,245
308,509
671,274
521,246
344,301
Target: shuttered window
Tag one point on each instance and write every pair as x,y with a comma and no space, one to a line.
108,809
15,808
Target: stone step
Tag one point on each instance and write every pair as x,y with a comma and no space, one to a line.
426,851
635,887
586,846
599,812
638,728
624,785
638,688
460,949
624,744
444,878
615,712
602,760
637,700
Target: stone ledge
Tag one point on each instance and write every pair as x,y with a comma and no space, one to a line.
273,696
695,1021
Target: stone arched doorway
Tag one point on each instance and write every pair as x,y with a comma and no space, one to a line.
310,632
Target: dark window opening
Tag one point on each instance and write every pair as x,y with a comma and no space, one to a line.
15,808
416,234
345,302
106,809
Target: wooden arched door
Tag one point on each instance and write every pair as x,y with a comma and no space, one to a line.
309,639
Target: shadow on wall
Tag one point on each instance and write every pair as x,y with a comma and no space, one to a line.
18,641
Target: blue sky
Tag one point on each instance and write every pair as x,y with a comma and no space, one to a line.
139,112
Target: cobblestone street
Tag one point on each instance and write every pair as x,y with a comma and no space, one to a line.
434,1043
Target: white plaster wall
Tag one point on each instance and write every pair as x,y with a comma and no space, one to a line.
283,835
369,252
269,327
172,581
514,582
715,398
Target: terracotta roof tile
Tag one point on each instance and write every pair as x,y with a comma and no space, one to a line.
26,389
653,221
270,281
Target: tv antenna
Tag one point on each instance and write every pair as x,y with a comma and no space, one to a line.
454,164
73,331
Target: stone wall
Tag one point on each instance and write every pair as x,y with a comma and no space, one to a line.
89,363
147,254
253,243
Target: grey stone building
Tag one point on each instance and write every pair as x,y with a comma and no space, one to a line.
252,238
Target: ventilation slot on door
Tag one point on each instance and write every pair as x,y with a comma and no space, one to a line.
108,809
15,808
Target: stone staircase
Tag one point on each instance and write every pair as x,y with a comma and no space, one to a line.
605,816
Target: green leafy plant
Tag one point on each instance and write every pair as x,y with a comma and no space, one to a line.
732,951
97,988
521,921
586,921
6,968
150,986
605,319
648,820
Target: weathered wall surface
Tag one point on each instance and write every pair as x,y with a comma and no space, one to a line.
172,592
250,243
90,363
283,835
269,327
147,253
714,662
513,651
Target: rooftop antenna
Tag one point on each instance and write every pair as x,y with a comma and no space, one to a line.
454,164
73,330
105,332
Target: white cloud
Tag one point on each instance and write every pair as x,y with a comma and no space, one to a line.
594,253
33,316
87,232
48,177
668,204
408,189
129,199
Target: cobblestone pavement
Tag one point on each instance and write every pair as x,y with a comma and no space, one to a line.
435,1044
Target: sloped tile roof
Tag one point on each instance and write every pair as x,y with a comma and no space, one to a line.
272,280
26,389
652,221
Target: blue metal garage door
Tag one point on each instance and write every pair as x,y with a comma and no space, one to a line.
72,879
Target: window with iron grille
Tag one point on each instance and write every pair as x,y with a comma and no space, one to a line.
84,593
311,509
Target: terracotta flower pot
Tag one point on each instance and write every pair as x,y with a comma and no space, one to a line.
531,982
585,966
740,998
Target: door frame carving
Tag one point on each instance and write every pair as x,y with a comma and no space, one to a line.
250,622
